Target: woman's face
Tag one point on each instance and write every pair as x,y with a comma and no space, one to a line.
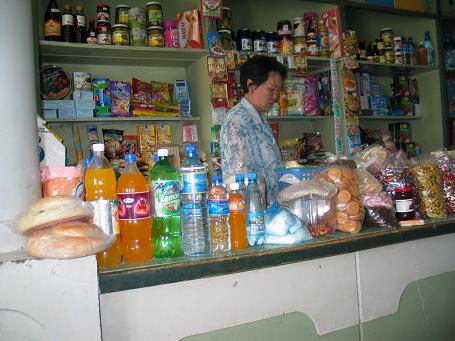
263,96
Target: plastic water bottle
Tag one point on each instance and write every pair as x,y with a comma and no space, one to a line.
412,52
240,179
193,194
218,204
255,212
430,50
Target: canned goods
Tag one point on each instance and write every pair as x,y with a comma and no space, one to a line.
386,35
312,47
120,35
299,27
155,36
121,14
154,13
259,42
284,28
171,34
103,13
103,33
272,42
286,45
244,40
300,44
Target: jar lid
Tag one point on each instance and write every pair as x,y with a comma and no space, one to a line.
120,25
259,31
298,18
227,8
397,38
284,22
224,31
153,3
403,189
244,30
102,5
122,5
104,23
154,28
386,29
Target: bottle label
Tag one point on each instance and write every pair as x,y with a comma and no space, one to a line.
273,47
123,17
403,206
105,215
120,38
67,19
237,204
192,183
55,10
260,46
218,207
133,205
246,44
255,228
191,210
52,28
103,39
165,198
155,17
80,19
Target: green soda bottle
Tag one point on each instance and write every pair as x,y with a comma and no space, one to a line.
165,203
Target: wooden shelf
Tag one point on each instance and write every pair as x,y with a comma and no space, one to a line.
389,118
71,53
297,118
121,119
388,70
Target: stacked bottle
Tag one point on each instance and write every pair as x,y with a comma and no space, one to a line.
165,200
193,195
255,212
237,218
218,205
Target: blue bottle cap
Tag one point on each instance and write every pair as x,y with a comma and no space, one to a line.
87,161
217,179
190,149
130,158
239,177
252,176
155,157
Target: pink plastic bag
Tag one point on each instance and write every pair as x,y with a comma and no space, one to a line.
62,181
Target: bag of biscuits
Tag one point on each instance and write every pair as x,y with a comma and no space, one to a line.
349,209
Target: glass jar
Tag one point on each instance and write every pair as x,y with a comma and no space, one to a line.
244,40
103,13
154,14
226,39
299,27
386,35
120,35
398,44
259,42
103,33
171,34
389,55
121,14
404,204
272,42
155,36
226,22
399,58
286,45
300,44
284,28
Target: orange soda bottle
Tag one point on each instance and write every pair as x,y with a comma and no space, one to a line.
134,213
237,218
101,192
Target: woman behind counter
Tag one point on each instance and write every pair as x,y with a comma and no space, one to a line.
247,142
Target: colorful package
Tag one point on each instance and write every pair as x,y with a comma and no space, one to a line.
190,29
324,94
120,98
163,134
217,69
332,21
147,137
113,144
130,145
82,80
311,98
295,93
215,45
102,97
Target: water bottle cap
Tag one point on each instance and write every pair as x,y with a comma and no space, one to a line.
163,152
190,149
239,177
98,147
217,179
252,176
234,187
130,158
155,157
87,161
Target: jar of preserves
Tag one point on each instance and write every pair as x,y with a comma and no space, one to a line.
154,14
398,44
300,44
155,36
244,40
120,35
226,39
311,25
389,55
272,42
386,35
299,27
404,204
259,42
312,47
103,33
103,13
171,34
121,14
226,22
399,58
286,45
284,28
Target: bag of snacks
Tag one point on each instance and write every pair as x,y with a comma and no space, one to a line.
349,209
379,211
447,169
373,158
429,186
367,182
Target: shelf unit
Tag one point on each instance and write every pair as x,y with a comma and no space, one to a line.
121,120
389,70
388,118
298,118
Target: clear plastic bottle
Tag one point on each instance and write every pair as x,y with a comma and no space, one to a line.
429,47
237,218
240,179
218,204
101,192
406,52
165,198
134,213
194,213
412,52
255,212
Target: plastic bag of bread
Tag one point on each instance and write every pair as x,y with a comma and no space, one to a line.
66,240
349,209
62,181
52,210
367,182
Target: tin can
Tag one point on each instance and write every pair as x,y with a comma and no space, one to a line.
398,44
286,45
399,58
155,36
312,47
386,35
120,35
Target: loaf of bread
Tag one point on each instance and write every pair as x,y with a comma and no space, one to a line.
67,240
53,210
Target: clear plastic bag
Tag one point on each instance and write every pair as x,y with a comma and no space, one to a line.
379,211
447,169
367,182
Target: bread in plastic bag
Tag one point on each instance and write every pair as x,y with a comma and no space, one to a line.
379,211
447,169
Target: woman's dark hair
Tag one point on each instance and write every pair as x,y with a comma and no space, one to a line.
258,68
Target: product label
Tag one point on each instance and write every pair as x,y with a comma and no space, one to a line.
260,46
403,206
156,40
273,47
123,17
155,17
105,215
218,207
193,182
103,16
67,19
246,44
80,19
191,210
165,198
255,228
133,205
120,38
103,39
52,28
237,205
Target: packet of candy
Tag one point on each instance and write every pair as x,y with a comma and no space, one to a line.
120,98
113,144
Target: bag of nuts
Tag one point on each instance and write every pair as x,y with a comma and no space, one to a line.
349,209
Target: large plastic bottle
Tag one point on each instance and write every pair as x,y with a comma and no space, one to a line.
240,179
193,194
255,212
165,199
412,52
218,205
237,218
101,192
429,47
134,213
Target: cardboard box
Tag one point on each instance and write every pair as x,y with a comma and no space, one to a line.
49,104
52,150
83,95
50,113
410,5
147,137
84,113
163,134
85,104
190,29
65,104
71,113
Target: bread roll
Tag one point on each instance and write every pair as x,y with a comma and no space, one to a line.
67,240
53,210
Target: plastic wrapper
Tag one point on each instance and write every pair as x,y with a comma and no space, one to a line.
295,93
429,186
447,169
113,139
62,181
373,158
311,97
379,211
367,182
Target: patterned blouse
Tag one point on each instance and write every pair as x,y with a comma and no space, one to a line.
247,143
